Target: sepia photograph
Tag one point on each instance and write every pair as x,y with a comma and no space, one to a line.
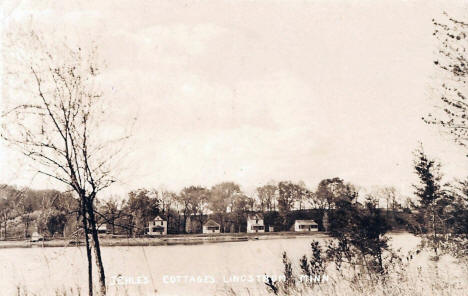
234,147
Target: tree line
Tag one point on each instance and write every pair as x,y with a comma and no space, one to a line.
57,214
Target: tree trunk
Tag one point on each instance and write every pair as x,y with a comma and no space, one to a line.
113,226
436,243
26,226
185,223
88,249
97,248
201,223
178,222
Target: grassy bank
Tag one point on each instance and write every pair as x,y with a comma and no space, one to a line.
174,239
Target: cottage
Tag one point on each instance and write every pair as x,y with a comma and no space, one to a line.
36,237
157,227
102,229
305,225
255,223
211,227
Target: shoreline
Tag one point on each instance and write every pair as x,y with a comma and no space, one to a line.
167,240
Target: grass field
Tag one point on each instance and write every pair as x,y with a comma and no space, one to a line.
62,271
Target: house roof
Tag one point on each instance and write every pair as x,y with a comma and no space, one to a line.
306,222
255,217
158,218
211,223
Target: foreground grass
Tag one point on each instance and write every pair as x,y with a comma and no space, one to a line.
443,277
425,275
426,282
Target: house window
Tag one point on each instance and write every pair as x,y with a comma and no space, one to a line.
161,222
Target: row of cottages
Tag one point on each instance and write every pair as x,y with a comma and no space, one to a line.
255,224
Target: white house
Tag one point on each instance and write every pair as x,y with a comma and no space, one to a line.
211,227
255,223
36,237
102,229
305,225
157,227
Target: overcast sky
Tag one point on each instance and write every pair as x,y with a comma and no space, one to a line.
253,91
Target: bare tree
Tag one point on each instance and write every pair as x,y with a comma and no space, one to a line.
222,198
53,117
10,205
452,62
266,196
25,209
112,211
167,200
5,215
386,195
191,199
199,202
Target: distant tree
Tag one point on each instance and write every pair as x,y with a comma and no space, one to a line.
193,200
266,195
112,211
250,203
286,197
56,222
9,201
6,212
388,195
302,194
167,201
222,198
199,203
25,208
328,191
242,205
142,205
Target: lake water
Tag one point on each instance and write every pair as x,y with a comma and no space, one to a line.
204,269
